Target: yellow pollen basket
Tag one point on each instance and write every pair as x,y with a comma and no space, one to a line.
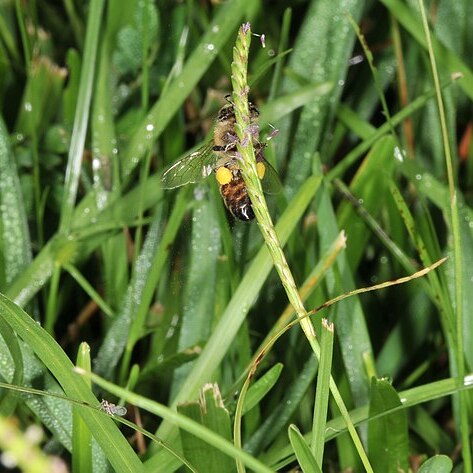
260,169
223,175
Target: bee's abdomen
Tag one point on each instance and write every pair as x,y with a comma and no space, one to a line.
236,199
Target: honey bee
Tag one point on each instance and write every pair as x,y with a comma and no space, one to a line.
220,156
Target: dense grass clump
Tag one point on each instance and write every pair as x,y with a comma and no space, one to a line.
332,333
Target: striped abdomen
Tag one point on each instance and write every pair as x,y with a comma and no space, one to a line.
236,198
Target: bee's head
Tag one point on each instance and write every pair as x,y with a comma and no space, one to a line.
228,112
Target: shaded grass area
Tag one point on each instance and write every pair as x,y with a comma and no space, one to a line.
169,292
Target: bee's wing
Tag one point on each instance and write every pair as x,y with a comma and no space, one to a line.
271,182
194,167
119,411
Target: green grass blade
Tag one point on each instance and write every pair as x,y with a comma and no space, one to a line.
448,59
369,184
15,245
387,436
9,400
199,294
302,451
114,445
82,114
437,464
224,24
145,281
280,415
211,413
261,387
409,398
170,415
238,307
322,392
327,62
81,435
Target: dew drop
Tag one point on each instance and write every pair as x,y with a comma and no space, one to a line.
398,154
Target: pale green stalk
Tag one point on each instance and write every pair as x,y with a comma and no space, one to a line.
247,165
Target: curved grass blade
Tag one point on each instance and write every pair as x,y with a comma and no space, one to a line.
302,451
113,443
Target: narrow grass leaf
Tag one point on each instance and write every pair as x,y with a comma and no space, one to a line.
410,397
444,56
118,335
149,273
81,435
387,436
199,294
322,392
82,113
283,411
349,317
302,451
286,104
41,97
114,444
324,26
261,387
369,184
426,427
13,353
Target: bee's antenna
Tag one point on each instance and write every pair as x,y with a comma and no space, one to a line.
228,98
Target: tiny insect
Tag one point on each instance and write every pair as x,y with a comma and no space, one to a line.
220,156
112,409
